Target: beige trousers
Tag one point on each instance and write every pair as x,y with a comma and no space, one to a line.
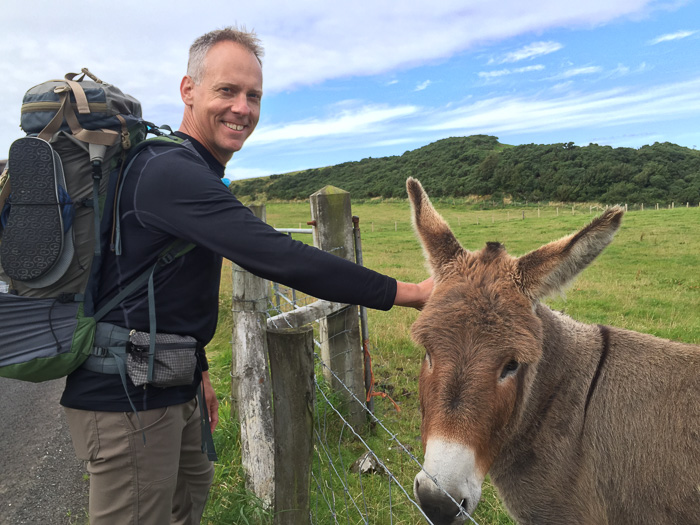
166,481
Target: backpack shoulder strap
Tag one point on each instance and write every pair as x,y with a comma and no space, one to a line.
160,140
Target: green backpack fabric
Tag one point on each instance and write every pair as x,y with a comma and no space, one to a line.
81,135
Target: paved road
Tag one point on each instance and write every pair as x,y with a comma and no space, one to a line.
41,481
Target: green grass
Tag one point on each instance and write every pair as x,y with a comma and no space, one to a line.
647,280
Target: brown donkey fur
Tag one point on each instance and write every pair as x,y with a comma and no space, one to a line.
575,423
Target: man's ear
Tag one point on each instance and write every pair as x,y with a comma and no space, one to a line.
186,90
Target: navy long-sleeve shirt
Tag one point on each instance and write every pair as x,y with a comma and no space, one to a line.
176,193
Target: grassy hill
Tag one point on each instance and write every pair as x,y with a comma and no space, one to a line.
481,165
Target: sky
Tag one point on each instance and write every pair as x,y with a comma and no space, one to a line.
345,80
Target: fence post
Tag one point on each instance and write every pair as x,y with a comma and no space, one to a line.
364,327
250,381
292,369
341,344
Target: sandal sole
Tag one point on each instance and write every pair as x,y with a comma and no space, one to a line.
33,239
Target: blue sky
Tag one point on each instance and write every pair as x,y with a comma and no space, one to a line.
349,80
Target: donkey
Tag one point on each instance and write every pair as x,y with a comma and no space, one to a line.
574,423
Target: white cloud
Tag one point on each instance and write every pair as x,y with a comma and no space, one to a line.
621,70
503,72
575,72
671,36
536,49
346,122
307,42
423,85
494,74
527,69
574,110
548,112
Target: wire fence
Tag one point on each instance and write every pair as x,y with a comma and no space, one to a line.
359,476
363,466
364,475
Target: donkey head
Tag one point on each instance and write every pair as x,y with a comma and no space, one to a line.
483,342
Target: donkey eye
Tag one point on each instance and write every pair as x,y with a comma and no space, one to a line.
510,368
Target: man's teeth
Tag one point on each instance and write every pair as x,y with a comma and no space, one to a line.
234,126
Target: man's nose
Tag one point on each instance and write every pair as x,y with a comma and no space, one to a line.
240,104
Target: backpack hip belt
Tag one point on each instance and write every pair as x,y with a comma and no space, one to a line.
109,356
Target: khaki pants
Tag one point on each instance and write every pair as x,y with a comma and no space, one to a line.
165,481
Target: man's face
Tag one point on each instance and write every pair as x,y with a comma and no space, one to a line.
223,109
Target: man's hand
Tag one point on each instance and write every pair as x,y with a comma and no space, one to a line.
413,295
211,401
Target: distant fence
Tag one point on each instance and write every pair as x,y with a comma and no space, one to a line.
518,211
296,415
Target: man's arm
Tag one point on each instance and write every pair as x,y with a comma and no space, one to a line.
413,295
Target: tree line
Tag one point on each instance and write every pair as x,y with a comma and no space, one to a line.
479,165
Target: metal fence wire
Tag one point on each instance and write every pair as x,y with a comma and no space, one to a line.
359,476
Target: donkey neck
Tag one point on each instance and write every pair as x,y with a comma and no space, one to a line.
573,355
552,414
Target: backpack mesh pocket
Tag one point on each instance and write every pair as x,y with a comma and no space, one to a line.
174,360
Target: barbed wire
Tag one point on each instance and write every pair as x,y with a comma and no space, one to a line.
323,453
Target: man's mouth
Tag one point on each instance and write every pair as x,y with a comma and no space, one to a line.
234,127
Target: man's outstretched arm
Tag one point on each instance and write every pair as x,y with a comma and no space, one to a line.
413,295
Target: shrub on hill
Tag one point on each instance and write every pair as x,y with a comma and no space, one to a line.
481,165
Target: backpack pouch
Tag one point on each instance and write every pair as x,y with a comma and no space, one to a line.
173,363
42,339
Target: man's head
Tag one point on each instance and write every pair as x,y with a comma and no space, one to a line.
222,90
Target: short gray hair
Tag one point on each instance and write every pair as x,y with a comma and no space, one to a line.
201,46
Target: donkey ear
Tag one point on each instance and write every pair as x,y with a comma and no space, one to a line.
549,269
439,243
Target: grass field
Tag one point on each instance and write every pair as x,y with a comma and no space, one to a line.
647,280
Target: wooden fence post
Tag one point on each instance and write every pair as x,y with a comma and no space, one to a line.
292,368
250,381
341,344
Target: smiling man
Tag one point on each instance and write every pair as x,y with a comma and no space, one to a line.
222,104
143,444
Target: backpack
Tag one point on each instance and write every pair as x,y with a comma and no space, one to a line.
81,135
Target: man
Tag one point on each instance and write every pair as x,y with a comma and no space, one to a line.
147,467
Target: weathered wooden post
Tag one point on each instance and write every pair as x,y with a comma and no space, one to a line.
364,326
291,353
341,345
250,381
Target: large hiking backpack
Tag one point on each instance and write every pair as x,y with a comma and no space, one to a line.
80,133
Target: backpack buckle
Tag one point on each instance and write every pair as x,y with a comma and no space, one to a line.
99,351
166,258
